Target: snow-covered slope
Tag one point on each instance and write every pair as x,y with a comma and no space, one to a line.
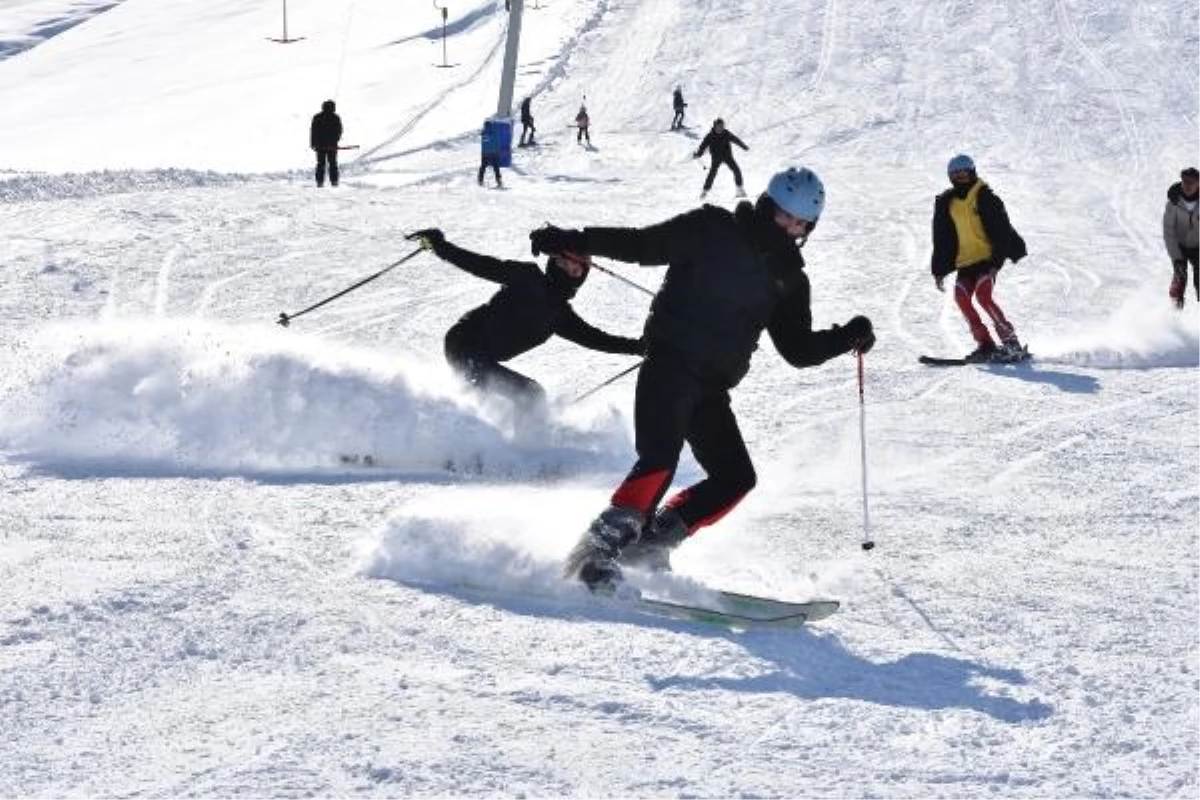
199,598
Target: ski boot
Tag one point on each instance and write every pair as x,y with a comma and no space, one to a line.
652,552
981,354
593,560
1010,352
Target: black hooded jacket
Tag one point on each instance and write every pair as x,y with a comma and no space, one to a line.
730,275
720,144
1006,242
529,309
326,129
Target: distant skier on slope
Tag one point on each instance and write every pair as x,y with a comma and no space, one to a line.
527,123
1179,233
973,237
679,105
730,276
529,308
582,121
719,142
489,144
323,137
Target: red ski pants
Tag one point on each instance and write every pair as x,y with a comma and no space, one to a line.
977,286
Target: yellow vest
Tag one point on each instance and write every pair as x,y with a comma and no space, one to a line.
973,243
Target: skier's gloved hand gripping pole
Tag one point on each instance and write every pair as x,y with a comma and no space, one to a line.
286,319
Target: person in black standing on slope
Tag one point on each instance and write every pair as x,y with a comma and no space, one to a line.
529,308
718,141
323,137
730,275
679,106
527,123
582,121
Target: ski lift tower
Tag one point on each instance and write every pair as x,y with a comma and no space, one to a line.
502,122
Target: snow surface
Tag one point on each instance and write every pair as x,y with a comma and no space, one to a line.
199,599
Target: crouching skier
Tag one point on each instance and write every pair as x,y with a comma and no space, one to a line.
529,308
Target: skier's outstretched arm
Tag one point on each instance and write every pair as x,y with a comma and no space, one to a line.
573,328
481,266
654,245
790,329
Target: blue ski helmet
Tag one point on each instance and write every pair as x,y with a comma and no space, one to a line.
799,192
959,163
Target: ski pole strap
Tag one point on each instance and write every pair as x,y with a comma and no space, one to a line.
284,319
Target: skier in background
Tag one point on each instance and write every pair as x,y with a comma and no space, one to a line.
730,275
679,106
973,237
527,123
582,121
489,142
719,142
323,137
529,308
1179,233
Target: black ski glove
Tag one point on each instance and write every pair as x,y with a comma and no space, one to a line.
429,238
554,241
859,335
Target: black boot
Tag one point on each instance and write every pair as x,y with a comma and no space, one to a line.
593,560
652,552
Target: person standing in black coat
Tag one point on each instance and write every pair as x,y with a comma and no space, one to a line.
719,142
323,137
730,276
527,123
529,308
678,104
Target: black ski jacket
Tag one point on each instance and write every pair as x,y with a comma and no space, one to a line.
529,309
326,131
720,144
730,275
1006,242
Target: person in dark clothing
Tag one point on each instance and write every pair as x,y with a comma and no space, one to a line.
719,142
679,106
323,137
527,123
1179,233
973,237
529,308
582,121
490,153
730,276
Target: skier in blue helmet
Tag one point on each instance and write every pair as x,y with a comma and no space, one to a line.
730,276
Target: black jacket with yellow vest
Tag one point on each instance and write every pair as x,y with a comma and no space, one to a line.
1006,242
